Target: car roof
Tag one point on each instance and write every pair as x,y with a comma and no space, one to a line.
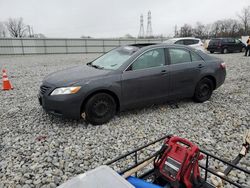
183,38
141,45
222,38
164,45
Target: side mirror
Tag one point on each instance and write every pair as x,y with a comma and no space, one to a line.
129,68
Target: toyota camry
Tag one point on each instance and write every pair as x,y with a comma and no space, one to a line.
129,77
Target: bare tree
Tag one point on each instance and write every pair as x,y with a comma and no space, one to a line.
16,27
186,31
199,30
245,19
3,32
128,36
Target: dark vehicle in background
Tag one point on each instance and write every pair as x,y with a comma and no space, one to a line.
128,77
225,45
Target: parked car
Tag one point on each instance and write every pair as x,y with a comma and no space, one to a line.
225,45
188,41
128,77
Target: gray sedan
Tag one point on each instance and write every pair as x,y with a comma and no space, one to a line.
128,77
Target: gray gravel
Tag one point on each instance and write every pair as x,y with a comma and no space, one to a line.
39,150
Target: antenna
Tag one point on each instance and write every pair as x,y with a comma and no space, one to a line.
141,32
149,26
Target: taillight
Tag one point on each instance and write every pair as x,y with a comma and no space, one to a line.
223,65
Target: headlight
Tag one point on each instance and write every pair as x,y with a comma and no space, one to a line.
66,90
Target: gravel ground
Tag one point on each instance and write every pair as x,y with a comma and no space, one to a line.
39,150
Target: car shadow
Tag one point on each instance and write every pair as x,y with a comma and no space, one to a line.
62,121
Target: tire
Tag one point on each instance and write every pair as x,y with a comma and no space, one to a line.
211,52
203,90
224,51
100,108
243,49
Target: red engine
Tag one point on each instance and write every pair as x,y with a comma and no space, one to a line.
177,162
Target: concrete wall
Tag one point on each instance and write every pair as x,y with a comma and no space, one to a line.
10,46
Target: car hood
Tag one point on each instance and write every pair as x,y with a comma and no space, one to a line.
74,75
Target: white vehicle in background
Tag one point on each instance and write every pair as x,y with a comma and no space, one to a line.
189,41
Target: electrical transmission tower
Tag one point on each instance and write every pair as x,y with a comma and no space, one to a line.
141,32
149,26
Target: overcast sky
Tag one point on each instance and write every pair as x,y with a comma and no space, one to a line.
115,18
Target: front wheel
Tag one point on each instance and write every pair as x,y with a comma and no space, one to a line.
243,49
100,108
203,90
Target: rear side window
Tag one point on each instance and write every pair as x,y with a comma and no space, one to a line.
179,56
179,42
231,40
214,42
195,57
225,40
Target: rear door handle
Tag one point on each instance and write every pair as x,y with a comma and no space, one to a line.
163,72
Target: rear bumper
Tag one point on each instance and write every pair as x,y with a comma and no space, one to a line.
68,106
221,76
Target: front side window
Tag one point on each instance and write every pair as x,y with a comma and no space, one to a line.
231,40
196,41
238,41
179,56
189,42
152,58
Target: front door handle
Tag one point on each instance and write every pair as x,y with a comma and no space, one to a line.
200,66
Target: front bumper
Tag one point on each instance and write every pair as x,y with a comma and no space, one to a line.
68,106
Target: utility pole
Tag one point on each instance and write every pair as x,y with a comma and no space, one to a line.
141,32
149,26
29,30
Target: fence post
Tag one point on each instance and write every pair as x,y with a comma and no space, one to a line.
86,45
22,45
44,44
103,48
66,45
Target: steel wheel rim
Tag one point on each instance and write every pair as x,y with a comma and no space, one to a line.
204,91
100,108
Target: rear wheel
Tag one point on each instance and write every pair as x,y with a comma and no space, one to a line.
100,108
203,90
211,52
243,49
225,51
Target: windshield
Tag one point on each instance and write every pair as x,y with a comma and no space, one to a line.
115,58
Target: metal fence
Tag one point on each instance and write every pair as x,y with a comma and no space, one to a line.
25,46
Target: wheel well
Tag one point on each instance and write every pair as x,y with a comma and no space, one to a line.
117,101
213,80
